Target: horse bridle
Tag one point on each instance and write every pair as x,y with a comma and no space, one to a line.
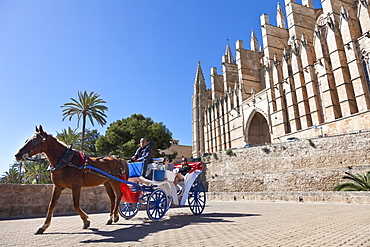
34,143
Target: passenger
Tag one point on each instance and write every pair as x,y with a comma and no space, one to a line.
185,168
166,163
144,154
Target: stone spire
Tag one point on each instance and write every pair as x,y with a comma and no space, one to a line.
280,17
228,57
199,82
254,42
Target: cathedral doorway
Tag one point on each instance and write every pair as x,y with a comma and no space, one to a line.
258,130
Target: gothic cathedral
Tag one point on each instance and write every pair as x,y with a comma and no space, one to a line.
310,78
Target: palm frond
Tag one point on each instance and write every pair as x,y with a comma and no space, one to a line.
348,186
357,178
359,182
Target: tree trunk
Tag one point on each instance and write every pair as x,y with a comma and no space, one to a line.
83,132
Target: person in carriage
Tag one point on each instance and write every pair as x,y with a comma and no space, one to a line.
144,154
185,168
166,163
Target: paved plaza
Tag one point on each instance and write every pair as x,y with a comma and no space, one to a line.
221,224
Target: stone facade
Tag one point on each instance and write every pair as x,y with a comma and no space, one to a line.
311,77
181,150
298,166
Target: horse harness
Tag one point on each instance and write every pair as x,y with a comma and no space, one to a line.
35,142
66,161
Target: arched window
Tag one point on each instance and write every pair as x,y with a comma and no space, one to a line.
366,66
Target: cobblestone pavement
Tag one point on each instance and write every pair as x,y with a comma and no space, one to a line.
221,224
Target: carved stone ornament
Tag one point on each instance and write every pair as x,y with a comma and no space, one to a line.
344,13
365,3
276,61
267,65
295,47
286,54
321,20
203,95
330,22
365,56
304,41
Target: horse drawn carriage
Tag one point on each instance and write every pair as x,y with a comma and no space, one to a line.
159,192
128,191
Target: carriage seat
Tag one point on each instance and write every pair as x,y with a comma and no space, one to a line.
195,166
136,170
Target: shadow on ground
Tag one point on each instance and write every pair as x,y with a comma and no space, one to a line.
141,230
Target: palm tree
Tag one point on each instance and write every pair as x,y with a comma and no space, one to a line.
20,167
11,177
36,171
70,137
87,105
359,182
90,140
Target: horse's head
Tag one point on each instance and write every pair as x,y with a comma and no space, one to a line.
33,145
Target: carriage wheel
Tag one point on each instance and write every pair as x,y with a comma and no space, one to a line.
197,197
128,210
157,204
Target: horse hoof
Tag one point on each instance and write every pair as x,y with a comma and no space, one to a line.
116,218
86,225
109,222
39,231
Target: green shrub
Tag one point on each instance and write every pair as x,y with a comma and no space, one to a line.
311,143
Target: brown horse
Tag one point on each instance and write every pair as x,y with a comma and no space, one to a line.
67,172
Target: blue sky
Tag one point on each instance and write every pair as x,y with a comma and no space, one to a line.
139,56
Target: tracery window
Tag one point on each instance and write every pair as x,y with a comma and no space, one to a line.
366,66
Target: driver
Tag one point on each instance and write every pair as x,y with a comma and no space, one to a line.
144,154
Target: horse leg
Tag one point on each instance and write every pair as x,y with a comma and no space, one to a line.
112,197
117,190
53,202
76,192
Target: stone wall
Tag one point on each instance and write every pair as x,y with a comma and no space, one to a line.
33,200
182,151
353,197
290,166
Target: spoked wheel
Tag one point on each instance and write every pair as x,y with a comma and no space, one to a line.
197,197
157,204
128,210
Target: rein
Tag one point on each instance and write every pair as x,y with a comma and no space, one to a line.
30,159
